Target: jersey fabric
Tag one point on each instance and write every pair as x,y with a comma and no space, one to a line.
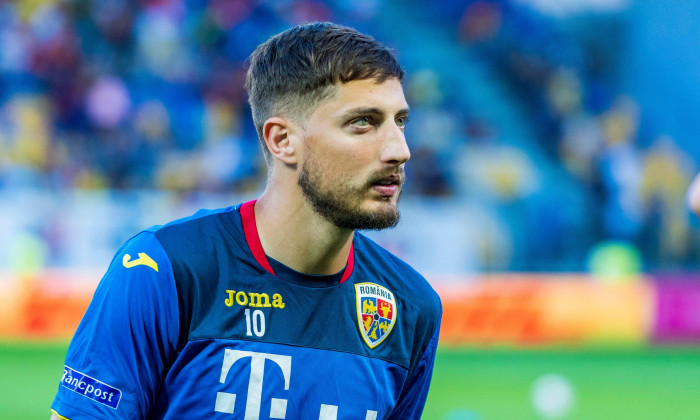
193,320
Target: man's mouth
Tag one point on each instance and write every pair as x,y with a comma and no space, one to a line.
389,185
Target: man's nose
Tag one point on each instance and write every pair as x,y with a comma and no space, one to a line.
395,150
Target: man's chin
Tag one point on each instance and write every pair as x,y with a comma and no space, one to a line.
376,216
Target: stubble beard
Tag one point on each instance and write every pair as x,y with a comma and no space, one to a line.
342,205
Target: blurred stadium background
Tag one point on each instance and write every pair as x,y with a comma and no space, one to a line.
552,140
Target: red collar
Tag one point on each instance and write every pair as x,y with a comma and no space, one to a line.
250,229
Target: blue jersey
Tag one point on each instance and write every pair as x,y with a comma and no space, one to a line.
193,320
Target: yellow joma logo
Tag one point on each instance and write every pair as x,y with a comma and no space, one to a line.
254,299
143,259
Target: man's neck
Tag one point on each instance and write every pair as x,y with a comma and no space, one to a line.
292,233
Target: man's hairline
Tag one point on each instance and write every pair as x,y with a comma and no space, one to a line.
302,117
279,111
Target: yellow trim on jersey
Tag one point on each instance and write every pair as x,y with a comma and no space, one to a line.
58,415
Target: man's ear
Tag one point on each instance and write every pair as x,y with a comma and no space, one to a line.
278,134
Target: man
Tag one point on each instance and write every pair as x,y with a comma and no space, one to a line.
275,308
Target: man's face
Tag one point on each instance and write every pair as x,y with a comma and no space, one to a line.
354,153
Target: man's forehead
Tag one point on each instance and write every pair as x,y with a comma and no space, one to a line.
386,96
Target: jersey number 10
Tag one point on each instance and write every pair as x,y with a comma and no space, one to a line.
257,321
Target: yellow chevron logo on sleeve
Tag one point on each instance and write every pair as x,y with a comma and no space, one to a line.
143,259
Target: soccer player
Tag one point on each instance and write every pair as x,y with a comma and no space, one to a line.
275,308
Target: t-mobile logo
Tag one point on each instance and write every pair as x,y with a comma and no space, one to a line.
225,402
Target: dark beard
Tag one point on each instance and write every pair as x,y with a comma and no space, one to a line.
338,208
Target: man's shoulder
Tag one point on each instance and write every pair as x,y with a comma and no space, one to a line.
195,221
202,224
195,238
382,263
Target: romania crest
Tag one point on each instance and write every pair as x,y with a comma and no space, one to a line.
376,312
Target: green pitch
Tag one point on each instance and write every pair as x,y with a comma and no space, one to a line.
468,384
624,384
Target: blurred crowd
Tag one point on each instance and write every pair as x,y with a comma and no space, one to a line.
148,94
566,77
125,94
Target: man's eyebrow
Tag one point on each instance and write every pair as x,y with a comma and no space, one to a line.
358,112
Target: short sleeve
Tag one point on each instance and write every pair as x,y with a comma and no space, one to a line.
415,391
126,340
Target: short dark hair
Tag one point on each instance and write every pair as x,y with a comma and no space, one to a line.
292,72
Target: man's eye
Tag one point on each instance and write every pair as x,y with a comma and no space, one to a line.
401,121
362,121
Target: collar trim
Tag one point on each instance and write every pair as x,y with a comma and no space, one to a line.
250,229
